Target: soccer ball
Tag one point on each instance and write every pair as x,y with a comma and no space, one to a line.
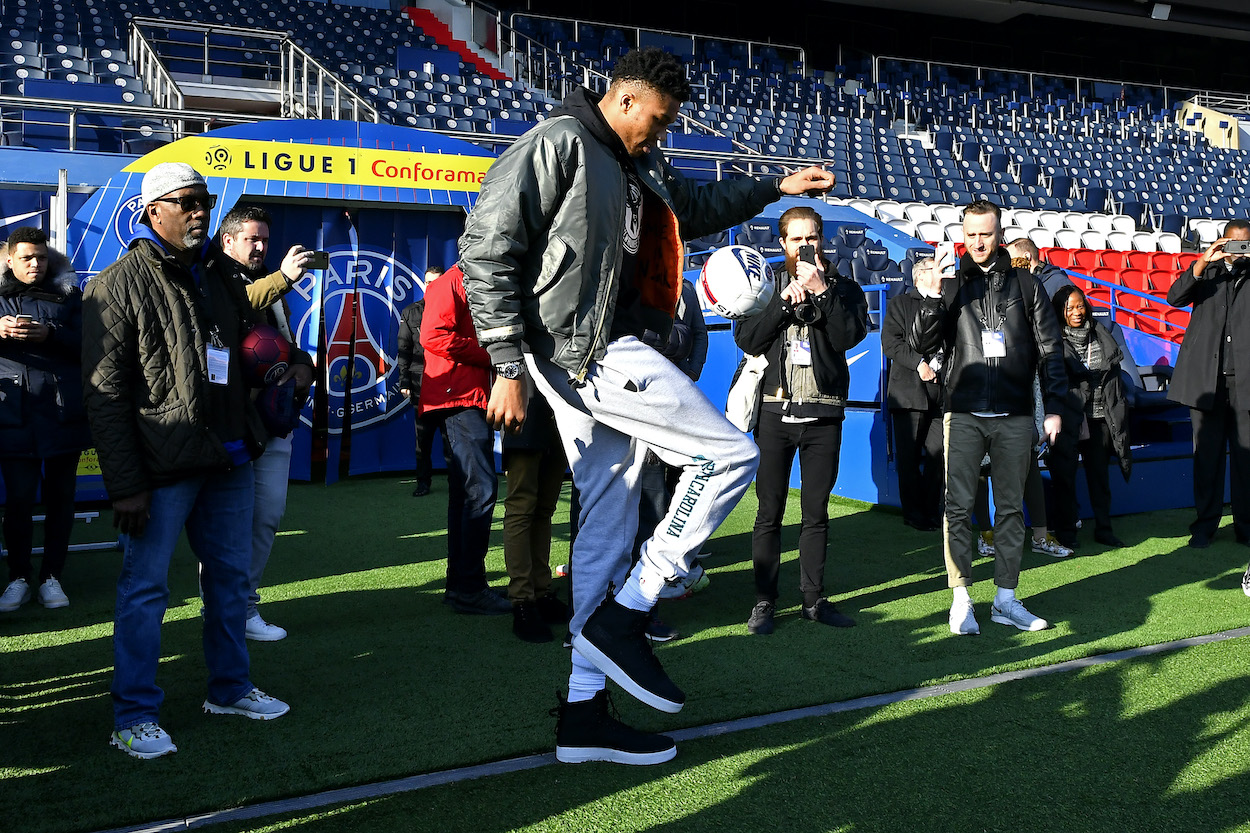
735,282
266,354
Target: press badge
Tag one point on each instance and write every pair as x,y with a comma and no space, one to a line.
800,353
992,344
218,364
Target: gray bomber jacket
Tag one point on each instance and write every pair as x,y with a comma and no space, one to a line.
541,250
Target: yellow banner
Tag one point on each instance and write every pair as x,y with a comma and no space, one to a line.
288,161
88,464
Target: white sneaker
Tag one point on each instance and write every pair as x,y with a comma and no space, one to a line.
51,595
985,543
1015,613
684,588
261,631
256,704
1245,582
143,740
1050,546
14,596
963,621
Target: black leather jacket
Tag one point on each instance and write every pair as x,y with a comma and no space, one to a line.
1010,300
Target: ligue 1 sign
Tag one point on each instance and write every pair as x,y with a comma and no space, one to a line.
385,202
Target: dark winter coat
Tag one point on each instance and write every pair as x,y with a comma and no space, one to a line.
1081,385
154,415
1007,299
1198,363
912,332
41,409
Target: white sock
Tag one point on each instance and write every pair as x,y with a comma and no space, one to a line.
585,681
962,596
642,588
1003,596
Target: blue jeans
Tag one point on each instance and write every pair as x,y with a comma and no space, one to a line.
472,487
216,510
272,471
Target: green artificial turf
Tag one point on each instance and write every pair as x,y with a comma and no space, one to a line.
385,681
1152,744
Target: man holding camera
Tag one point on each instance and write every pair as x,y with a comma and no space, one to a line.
245,239
1217,343
805,332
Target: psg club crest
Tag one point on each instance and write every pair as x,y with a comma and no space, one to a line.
126,220
364,293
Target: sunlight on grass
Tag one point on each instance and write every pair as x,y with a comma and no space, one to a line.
287,533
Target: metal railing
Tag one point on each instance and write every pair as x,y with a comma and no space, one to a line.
307,89
151,71
1171,95
753,48
146,123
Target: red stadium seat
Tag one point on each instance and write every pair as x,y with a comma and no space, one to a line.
1059,257
1134,279
1138,260
1084,261
1160,281
1184,259
1112,259
1163,260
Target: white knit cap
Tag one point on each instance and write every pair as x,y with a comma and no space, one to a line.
168,177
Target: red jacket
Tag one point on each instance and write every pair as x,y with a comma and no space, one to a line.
457,369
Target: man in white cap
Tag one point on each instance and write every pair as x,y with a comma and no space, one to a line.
176,434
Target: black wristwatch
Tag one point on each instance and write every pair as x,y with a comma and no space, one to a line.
510,370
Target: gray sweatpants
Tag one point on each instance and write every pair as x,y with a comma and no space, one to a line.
632,396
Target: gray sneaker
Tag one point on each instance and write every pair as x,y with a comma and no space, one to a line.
256,704
51,595
1014,613
143,740
14,596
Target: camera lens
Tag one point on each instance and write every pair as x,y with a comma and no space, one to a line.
806,313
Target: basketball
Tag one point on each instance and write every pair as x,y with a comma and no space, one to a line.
266,354
735,282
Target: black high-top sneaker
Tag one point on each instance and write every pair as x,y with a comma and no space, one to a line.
614,638
591,731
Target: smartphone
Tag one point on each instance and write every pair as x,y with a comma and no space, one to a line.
944,259
1237,247
24,318
319,260
807,254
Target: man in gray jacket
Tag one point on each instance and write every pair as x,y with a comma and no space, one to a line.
572,252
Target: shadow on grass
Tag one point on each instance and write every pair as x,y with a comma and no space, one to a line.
1147,745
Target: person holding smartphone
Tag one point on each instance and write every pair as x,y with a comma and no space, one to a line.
44,425
805,332
1216,345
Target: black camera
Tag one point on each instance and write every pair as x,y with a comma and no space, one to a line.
805,312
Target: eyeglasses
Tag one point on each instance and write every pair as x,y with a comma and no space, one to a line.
191,202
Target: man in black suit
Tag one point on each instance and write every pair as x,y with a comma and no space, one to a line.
1217,343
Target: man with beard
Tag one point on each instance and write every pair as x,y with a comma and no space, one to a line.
176,435
805,332
245,240
1215,352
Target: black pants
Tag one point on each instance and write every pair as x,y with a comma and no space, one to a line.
1095,452
818,445
918,462
1222,427
425,428
21,483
